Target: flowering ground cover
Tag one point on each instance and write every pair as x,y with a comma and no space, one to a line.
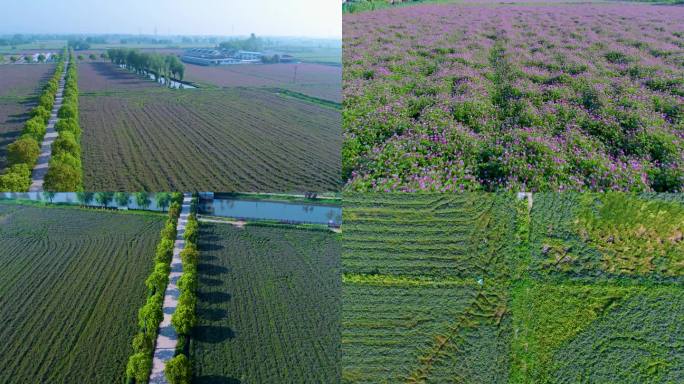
317,80
543,97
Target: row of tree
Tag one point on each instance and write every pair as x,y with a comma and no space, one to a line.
23,153
65,172
252,43
178,369
160,66
122,199
151,314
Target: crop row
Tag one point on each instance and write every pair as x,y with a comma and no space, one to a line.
268,305
151,314
64,171
23,153
70,289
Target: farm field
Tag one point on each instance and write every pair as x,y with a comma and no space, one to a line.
225,140
317,80
571,291
70,288
268,305
425,287
19,85
602,301
534,97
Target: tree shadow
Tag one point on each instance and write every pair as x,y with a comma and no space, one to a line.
213,297
215,379
209,282
206,269
213,314
212,333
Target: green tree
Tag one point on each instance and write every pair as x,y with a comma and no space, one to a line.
84,198
41,58
24,150
142,199
122,199
104,198
49,195
13,59
139,366
62,177
178,370
163,200
92,56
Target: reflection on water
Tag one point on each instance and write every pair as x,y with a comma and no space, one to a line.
71,198
271,210
174,84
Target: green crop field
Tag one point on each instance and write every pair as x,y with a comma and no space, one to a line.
139,136
71,283
476,288
268,306
603,298
425,287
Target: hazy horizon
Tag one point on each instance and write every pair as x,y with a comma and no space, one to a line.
273,18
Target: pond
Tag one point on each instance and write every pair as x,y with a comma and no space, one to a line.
272,210
70,198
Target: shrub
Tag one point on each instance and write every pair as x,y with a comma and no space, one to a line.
68,125
164,251
17,178
24,150
158,279
139,366
190,255
66,143
35,127
184,317
178,370
151,314
62,177
169,231
41,112
67,159
68,110
142,343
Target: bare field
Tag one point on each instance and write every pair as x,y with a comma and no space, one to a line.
19,83
317,80
103,76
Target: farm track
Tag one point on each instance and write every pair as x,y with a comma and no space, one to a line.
167,338
69,291
228,140
19,87
41,167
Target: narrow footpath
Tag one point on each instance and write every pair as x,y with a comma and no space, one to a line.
167,338
41,167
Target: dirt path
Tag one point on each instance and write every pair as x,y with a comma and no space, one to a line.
239,223
41,167
167,338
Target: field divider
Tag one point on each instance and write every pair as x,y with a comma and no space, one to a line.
167,336
41,167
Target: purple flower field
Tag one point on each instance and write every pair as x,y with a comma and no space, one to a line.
547,97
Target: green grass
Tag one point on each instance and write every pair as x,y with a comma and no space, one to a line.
71,284
269,306
425,287
474,288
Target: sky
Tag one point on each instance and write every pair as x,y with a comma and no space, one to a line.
310,18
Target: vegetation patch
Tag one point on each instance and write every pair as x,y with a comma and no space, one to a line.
71,283
268,305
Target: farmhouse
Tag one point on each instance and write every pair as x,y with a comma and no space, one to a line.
211,56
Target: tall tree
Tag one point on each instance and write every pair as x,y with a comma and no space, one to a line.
122,199
104,198
142,199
